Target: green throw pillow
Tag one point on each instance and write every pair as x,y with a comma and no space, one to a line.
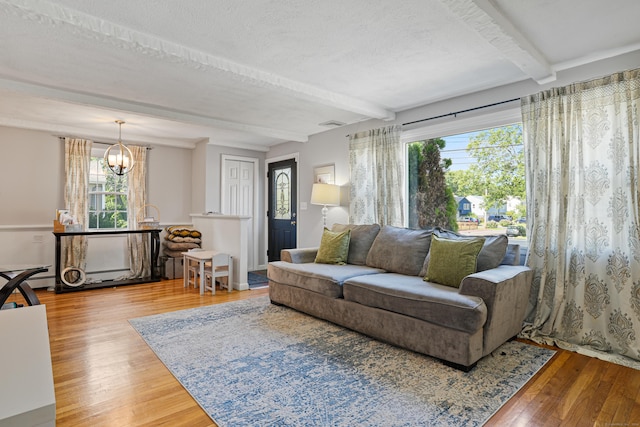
334,247
452,260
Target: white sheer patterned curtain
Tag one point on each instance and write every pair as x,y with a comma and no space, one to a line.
582,153
139,249
77,157
376,160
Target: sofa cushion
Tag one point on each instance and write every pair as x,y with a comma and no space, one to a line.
362,237
491,255
334,247
325,279
452,260
399,250
411,296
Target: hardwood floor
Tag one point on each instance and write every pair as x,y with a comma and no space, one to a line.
105,375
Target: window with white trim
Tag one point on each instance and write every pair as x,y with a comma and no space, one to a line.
108,207
466,129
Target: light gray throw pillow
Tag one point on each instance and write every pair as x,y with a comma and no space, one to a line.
362,237
399,250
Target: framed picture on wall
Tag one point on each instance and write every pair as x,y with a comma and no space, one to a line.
325,174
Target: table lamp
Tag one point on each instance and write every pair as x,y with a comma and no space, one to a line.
325,195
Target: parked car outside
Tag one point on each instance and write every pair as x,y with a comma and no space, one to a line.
522,220
513,231
468,219
498,218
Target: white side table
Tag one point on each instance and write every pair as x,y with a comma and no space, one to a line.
203,257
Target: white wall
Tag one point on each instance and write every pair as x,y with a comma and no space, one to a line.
32,188
332,146
30,179
169,183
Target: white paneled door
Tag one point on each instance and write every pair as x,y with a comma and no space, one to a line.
239,188
238,195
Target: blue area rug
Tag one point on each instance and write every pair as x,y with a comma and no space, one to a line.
250,363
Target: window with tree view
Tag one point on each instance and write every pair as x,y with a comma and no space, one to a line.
107,197
469,181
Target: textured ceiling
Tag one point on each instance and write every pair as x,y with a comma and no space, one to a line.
256,73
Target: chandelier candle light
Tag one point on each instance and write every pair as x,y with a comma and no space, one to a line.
118,156
325,195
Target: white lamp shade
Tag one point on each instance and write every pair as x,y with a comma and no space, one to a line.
325,194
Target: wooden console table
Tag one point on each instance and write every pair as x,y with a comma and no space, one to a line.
154,242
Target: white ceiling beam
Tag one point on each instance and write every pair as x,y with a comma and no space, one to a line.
486,19
92,134
89,26
147,110
234,144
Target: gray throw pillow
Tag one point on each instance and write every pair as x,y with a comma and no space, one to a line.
491,254
399,250
362,237
493,251
513,255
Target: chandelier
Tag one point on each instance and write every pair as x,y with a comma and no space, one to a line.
118,157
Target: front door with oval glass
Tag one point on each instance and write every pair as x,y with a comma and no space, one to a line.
282,211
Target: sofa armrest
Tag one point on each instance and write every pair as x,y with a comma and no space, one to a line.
298,255
505,291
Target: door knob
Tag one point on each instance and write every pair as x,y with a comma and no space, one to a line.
293,223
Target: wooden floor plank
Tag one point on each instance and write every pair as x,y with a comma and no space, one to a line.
105,374
624,400
587,394
521,409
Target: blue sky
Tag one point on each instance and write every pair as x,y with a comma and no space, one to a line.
456,150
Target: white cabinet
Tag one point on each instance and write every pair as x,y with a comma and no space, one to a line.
27,397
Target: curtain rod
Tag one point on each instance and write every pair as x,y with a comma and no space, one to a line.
461,111
457,112
148,147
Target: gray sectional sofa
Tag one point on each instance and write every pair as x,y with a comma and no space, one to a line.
382,292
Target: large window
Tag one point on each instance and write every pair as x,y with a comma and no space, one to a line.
481,173
107,197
